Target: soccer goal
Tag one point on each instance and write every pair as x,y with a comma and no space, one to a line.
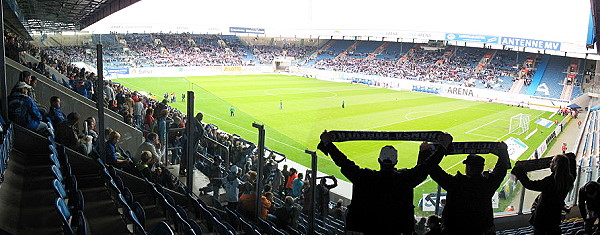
519,124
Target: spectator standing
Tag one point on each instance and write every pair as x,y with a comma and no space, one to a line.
393,211
554,188
138,112
231,183
323,195
469,198
290,179
297,186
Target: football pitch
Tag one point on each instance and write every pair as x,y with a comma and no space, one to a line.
295,110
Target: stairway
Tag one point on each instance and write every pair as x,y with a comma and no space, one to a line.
378,51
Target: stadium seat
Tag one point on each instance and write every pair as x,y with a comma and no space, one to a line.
181,212
162,228
122,205
139,213
195,227
55,160
229,228
59,189
133,223
57,173
128,196
64,214
83,227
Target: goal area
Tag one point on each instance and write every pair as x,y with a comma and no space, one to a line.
519,124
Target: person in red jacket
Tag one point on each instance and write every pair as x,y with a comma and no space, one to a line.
290,179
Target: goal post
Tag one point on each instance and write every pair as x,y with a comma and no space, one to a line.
519,124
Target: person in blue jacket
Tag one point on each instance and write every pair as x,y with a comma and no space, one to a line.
56,114
23,111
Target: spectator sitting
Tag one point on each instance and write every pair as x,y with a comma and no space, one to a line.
143,166
33,83
338,210
56,114
247,200
151,144
90,129
287,215
23,111
113,157
67,133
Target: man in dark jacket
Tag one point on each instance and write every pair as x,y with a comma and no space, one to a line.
469,198
382,201
323,195
198,132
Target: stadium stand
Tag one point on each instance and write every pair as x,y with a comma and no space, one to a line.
88,195
553,76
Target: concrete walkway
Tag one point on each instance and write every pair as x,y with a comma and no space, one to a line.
569,136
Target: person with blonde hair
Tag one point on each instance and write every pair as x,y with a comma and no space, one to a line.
113,157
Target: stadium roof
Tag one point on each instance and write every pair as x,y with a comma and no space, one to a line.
63,15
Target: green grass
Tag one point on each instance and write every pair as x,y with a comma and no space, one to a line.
311,106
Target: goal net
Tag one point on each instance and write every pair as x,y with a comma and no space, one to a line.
519,124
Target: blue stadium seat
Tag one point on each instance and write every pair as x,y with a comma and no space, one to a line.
133,223
128,196
57,173
59,189
64,214
54,159
140,213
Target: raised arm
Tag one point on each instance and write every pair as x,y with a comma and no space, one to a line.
535,185
335,184
347,167
502,165
428,159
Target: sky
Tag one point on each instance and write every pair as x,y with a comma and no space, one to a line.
552,20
